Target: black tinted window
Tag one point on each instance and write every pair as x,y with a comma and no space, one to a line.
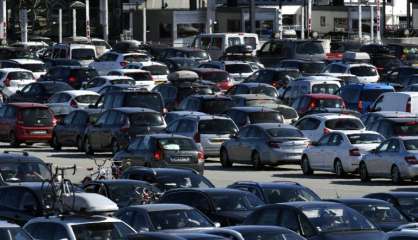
265,117
146,100
309,48
344,124
217,126
216,106
146,119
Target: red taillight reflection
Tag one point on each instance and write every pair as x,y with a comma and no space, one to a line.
355,152
411,160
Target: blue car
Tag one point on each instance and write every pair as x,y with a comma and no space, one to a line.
360,96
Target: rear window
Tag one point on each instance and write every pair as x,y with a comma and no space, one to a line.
216,106
85,73
269,91
122,81
20,76
136,58
250,41
344,124
363,71
309,48
146,119
329,103
157,70
365,138
36,117
198,54
146,100
217,126
288,113
265,117
405,129
87,99
36,67
312,68
139,76
182,143
214,76
238,68
83,54
325,88
372,94
57,87
284,132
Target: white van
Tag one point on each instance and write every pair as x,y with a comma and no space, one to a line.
216,43
83,53
311,84
396,101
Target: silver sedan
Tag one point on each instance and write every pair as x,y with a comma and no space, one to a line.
395,158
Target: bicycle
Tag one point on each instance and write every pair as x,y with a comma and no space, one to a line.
102,172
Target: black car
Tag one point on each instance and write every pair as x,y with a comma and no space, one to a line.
304,66
69,132
114,128
123,192
242,116
51,63
253,88
180,63
72,75
379,212
258,232
162,150
39,92
210,104
398,75
277,77
405,202
168,178
402,235
175,236
227,206
278,191
130,98
317,220
191,53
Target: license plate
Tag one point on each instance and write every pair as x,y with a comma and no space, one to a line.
38,132
217,140
180,159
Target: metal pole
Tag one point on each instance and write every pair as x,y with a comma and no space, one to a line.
210,12
74,22
309,18
144,23
24,25
252,16
280,20
88,33
60,25
106,20
302,23
360,34
408,14
131,23
378,39
372,23
3,24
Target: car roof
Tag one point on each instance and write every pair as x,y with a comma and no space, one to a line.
210,97
72,67
4,224
162,207
253,96
206,117
211,190
166,135
253,109
129,110
403,138
76,93
261,228
186,113
394,114
367,86
127,181
185,49
272,185
328,116
310,204
7,156
27,105
360,201
398,194
157,171
112,77
272,125
74,219
345,132
8,70
124,70
322,96
254,84
318,78
26,61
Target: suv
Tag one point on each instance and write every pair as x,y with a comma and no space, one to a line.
273,51
39,92
37,67
242,116
73,75
26,123
391,124
210,104
116,60
131,98
83,53
310,102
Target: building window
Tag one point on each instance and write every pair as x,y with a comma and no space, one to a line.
323,21
340,24
233,25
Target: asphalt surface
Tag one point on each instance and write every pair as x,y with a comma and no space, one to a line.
326,185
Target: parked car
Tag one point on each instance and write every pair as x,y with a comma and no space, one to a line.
366,73
339,151
114,60
226,206
180,63
254,232
316,220
114,128
264,144
37,67
174,115
62,103
38,92
74,76
306,67
26,123
210,104
238,70
309,102
392,123
14,79
394,158
243,116
10,231
398,75
168,178
98,83
405,202
196,54
221,78
143,79
253,88
277,77
255,100
396,101
82,52
159,71
162,150
402,235
209,132
277,191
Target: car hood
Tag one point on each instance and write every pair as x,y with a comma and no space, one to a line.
238,216
353,235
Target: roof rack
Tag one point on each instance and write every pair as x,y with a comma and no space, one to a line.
24,153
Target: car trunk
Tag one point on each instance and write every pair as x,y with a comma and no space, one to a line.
36,117
177,150
144,123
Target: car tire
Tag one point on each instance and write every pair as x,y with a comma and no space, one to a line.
80,145
255,158
87,147
55,144
364,174
395,175
306,166
13,140
224,158
339,169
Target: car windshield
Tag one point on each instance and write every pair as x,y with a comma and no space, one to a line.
54,87
216,106
265,117
268,91
14,233
217,126
102,231
372,94
126,192
312,67
268,103
20,76
147,100
344,124
270,235
87,99
365,138
198,54
24,172
139,76
284,132
309,48
329,103
235,201
182,144
336,219
411,145
122,81
83,54
289,195
409,205
363,71
325,88
175,219
36,117
157,70
238,68
379,213
214,76
136,58
176,180
35,67
146,119
405,129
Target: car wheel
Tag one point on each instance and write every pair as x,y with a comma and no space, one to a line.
87,147
258,165
306,166
225,162
339,169
80,145
115,146
55,144
13,140
396,175
364,174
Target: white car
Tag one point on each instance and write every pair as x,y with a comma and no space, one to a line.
366,73
339,151
159,71
98,83
14,79
315,126
115,60
37,67
143,79
64,102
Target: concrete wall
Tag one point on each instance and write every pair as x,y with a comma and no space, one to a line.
329,20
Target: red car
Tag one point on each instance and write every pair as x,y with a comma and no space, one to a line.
26,123
309,102
220,77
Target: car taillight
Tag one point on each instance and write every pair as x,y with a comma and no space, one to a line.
225,85
411,160
326,131
360,106
72,79
196,138
312,105
73,104
354,152
123,64
158,155
200,156
274,144
7,82
54,121
408,106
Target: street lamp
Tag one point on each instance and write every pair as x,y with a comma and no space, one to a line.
74,6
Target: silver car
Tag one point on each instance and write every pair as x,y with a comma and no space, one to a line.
395,158
264,144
